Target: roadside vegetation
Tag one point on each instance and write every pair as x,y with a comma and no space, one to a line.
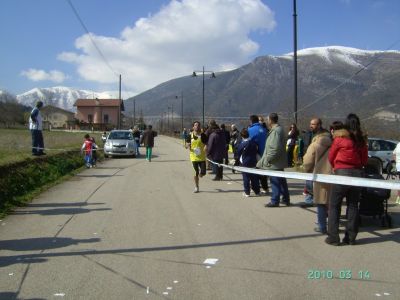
23,176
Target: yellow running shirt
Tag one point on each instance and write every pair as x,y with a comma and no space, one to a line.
197,152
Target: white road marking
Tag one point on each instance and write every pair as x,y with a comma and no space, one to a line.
210,261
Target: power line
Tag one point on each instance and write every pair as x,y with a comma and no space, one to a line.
348,79
91,38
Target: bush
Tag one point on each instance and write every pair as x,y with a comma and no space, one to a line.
20,180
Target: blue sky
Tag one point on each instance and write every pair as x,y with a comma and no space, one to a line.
149,42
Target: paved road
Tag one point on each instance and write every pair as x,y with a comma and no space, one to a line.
134,230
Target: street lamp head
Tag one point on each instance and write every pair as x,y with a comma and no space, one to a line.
213,75
194,74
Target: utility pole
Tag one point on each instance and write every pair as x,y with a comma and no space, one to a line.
119,106
295,58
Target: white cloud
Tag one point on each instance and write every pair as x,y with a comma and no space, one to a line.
41,75
181,37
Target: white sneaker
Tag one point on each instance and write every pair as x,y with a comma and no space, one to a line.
196,190
246,195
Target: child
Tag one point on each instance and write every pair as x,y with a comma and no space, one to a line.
87,147
246,153
94,152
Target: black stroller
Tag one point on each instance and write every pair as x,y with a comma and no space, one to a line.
374,201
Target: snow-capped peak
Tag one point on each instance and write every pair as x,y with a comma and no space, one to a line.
347,55
60,96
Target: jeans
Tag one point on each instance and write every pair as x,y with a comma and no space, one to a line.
279,187
254,180
352,194
309,199
321,216
263,181
37,141
137,147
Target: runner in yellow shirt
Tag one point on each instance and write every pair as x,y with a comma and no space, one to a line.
196,142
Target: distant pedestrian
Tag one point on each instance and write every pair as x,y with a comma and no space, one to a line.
36,127
348,155
196,142
291,144
235,140
184,136
136,137
275,158
87,149
227,140
94,152
148,141
246,154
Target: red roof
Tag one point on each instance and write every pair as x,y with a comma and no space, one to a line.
98,102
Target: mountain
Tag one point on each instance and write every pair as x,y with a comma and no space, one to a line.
12,113
332,81
62,97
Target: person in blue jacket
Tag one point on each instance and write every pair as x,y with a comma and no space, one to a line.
246,154
258,133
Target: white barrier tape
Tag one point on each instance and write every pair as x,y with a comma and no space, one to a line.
335,179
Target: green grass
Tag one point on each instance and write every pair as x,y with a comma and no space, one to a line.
16,144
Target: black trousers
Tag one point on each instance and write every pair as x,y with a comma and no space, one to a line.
37,141
352,194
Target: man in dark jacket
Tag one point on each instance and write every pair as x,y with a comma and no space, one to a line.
148,141
216,147
227,140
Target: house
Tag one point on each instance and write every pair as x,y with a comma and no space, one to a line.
99,114
55,117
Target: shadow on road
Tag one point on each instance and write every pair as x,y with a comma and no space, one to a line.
57,211
67,204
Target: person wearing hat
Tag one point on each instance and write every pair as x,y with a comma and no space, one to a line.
36,127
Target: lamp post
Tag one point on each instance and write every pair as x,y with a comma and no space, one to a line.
168,128
295,58
176,97
212,76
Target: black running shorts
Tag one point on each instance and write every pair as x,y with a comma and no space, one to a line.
199,167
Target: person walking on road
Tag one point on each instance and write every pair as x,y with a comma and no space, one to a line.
148,141
36,127
275,158
316,161
196,142
348,155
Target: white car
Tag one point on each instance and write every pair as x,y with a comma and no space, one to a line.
120,143
382,149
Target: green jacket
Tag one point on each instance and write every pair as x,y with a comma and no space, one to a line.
274,156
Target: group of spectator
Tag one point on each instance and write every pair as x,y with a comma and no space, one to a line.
341,150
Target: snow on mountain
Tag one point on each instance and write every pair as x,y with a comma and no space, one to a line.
332,54
62,97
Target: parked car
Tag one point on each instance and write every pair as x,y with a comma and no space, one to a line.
120,143
382,149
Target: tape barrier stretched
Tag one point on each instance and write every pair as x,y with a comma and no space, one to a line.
334,179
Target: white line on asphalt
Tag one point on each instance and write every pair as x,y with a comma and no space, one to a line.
147,291
59,294
176,281
11,274
169,288
165,293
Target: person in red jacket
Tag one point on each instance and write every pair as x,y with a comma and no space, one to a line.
348,155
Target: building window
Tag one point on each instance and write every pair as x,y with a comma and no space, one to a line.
90,118
106,119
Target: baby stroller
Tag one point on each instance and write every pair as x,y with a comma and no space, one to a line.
374,201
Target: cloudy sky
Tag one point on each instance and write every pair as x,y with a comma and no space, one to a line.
45,44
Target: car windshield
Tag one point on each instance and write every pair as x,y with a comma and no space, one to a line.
120,135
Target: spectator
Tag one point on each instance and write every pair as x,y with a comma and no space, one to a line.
36,127
291,143
87,149
216,148
275,158
246,154
348,155
316,161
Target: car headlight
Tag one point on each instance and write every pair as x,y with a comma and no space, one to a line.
107,144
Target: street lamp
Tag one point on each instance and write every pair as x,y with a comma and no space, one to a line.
212,76
176,97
